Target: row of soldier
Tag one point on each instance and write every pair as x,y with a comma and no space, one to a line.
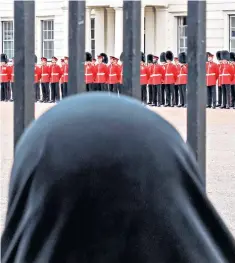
165,82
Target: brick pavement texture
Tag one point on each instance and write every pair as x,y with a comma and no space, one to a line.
220,154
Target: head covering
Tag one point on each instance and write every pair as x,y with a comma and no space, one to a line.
225,55
55,58
218,55
142,57
169,55
104,58
88,57
209,54
66,58
43,59
4,58
183,58
232,56
121,57
150,58
163,57
127,189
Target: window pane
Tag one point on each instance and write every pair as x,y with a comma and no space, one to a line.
92,44
232,21
92,34
45,46
45,35
92,23
233,33
233,44
93,53
181,42
49,35
184,21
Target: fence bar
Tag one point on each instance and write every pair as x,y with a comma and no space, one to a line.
77,18
131,48
196,116
24,28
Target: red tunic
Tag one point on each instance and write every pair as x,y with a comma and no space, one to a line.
5,73
11,72
212,73
101,72
164,69
182,75
121,74
46,74
113,74
65,73
157,74
89,74
150,75
226,74
170,74
55,73
233,81
144,75
37,74
178,66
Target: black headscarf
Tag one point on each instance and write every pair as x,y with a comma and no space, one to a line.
101,179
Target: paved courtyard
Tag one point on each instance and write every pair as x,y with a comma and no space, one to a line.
220,154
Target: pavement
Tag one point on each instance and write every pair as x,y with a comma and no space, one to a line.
220,154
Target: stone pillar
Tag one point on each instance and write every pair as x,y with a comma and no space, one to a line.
150,31
118,31
110,33
99,31
142,27
88,29
161,27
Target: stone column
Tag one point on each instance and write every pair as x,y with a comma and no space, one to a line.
150,31
88,29
99,31
110,32
118,31
142,27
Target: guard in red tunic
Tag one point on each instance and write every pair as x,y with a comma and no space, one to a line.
65,77
157,75
177,64
89,72
113,75
170,79
101,73
232,61
218,56
10,89
150,85
182,79
5,76
45,80
227,75
163,64
93,62
55,80
212,74
37,77
144,78
116,62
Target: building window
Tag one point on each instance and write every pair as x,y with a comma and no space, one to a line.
182,33
144,34
93,37
232,33
8,38
48,38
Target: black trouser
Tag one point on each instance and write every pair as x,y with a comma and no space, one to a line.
150,87
55,92
176,90
211,95
37,91
89,87
8,91
144,93
226,89
120,88
45,91
162,94
64,89
156,94
183,94
170,94
101,87
219,95
233,95
4,91
114,88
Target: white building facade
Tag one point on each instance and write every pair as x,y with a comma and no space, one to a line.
163,26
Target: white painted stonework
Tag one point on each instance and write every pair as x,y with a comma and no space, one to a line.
160,24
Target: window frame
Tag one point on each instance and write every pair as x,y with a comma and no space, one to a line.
181,26
231,49
47,40
92,38
3,41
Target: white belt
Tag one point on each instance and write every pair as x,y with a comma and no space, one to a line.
35,75
182,75
143,75
112,75
99,74
45,74
154,75
169,74
66,74
89,74
3,74
55,74
12,74
224,74
211,74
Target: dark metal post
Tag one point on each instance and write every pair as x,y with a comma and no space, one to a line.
196,117
24,31
131,48
77,18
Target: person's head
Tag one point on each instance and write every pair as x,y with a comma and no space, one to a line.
54,60
210,57
155,59
169,56
62,62
66,60
101,178
176,60
43,61
112,59
100,59
4,59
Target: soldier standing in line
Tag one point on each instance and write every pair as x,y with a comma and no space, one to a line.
163,64
170,79
150,84
65,74
227,75
11,86
212,74
119,73
45,80
144,78
62,76
89,72
182,79
113,75
55,79
37,77
101,73
157,75
177,64
5,76
232,61
218,56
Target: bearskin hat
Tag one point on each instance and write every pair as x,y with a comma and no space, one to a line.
232,56
218,55
142,57
163,57
121,57
4,58
88,57
169,56
35,59
225,55
209,54
150,58
182,58
105,58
